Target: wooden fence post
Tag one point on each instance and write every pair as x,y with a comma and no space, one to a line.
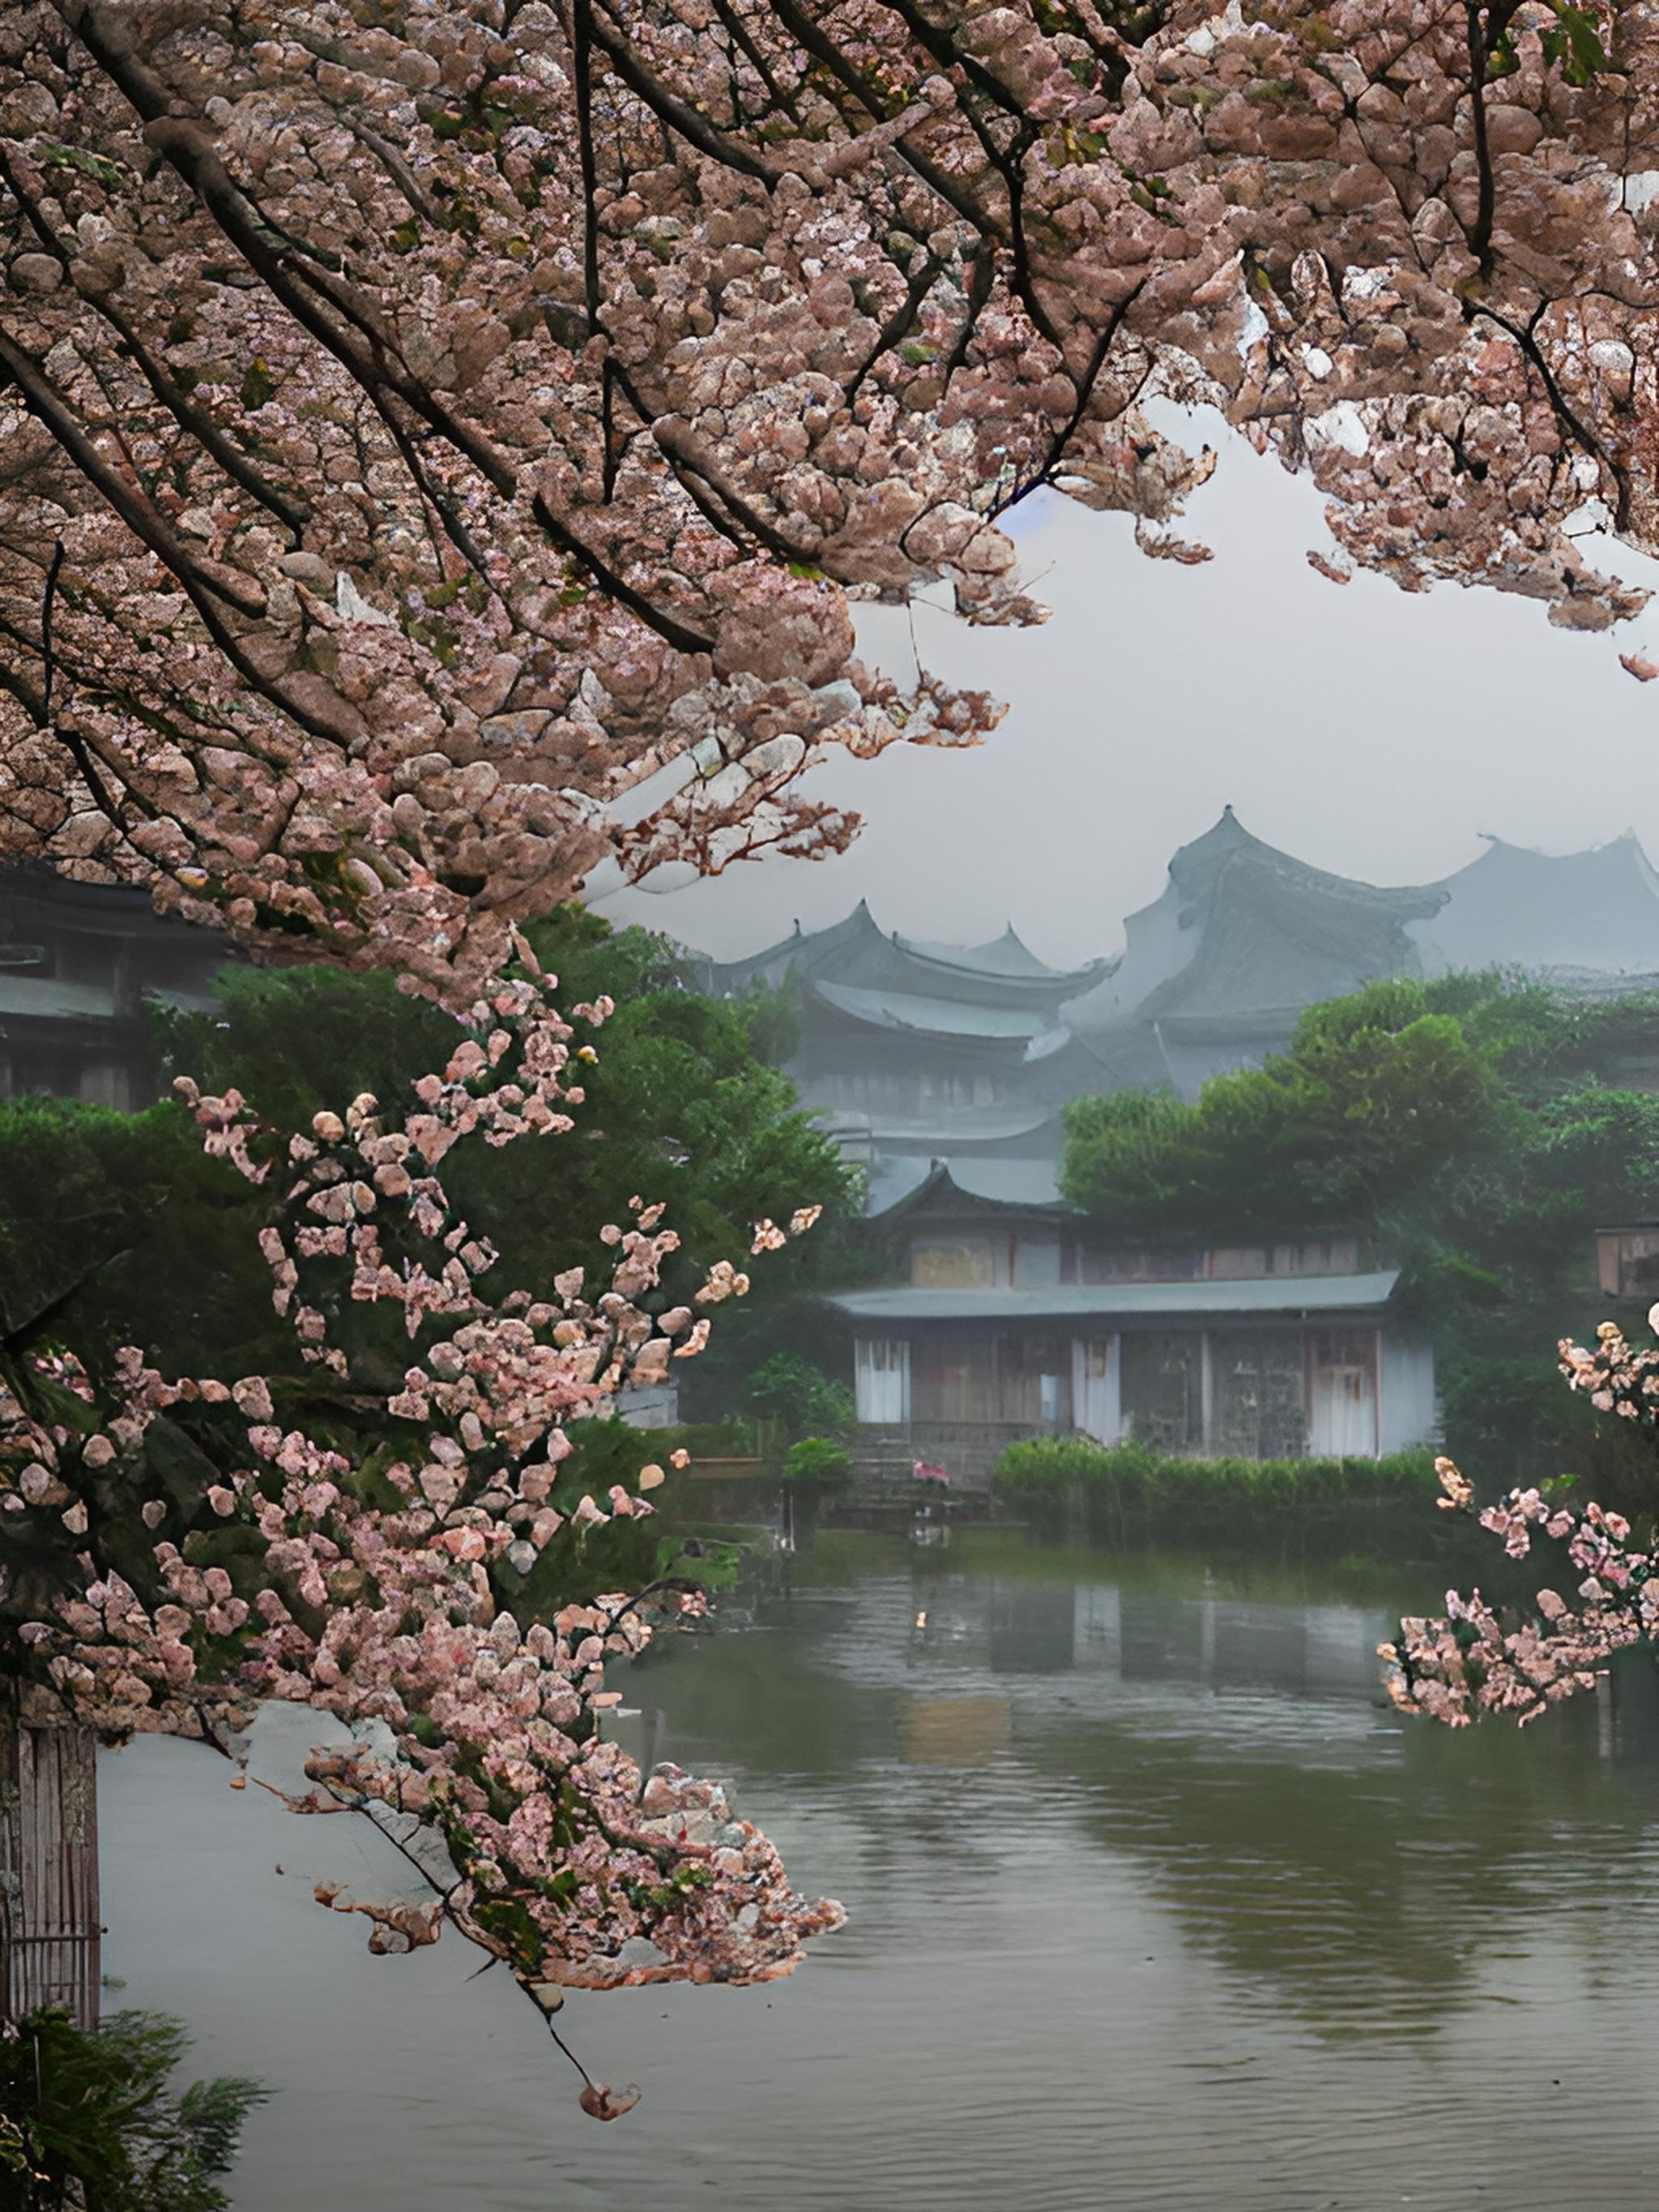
49,1926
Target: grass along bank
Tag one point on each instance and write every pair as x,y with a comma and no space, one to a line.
1129,1494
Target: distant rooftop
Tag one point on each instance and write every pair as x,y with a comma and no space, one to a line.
943,1129
1513,907
1214,976
1007,955
936,1017
1243,935
1241,926
1259,1295
857,951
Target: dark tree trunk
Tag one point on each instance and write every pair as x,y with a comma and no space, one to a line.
49,1925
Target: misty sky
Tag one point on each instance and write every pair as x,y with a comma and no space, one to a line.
1371,731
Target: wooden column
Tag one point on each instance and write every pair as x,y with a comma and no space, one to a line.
49,1927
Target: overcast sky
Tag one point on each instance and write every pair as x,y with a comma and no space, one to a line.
1369,731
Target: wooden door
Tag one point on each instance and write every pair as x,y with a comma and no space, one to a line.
1343,1395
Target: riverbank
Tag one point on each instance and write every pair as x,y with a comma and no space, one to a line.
1071,1491
1125,1494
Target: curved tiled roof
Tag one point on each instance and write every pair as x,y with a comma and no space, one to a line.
1242,926
1030,1126
856,954
1025,1185
932,1017
1595,912
1267,1294
1006,955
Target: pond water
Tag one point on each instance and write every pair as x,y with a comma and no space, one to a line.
1154,1905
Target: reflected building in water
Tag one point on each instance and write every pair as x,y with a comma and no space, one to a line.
1044,1638
954,1731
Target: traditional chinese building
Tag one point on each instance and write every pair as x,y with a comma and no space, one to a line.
913,1052
910,1050
1215,973
1013,1319
76,963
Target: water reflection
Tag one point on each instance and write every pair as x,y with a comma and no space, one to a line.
1155,1905
1236,1750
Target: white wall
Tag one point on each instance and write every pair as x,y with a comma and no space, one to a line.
1037,1262
1409,1412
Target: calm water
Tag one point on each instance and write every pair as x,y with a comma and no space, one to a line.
1154,1905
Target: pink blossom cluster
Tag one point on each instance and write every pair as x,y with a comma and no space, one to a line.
1616,1376
568,1865
368,1590
441,444
1470,1662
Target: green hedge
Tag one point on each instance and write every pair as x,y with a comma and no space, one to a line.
1121,1491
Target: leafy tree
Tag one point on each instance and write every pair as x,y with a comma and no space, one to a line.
1378,1092
680,1107
111,1223
1473,1126
88,2123
679,1104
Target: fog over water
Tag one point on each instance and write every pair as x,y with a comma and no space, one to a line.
1372,732
1153,1904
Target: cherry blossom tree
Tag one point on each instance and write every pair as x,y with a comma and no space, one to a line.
440,443
1479,1658
361,1550
440,438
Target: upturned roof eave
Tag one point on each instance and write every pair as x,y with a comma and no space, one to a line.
940,1183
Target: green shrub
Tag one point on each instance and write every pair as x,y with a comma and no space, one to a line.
817,1461
1122,1490
87,2119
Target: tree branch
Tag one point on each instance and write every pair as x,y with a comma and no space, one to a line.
697,130
668,627
290,508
